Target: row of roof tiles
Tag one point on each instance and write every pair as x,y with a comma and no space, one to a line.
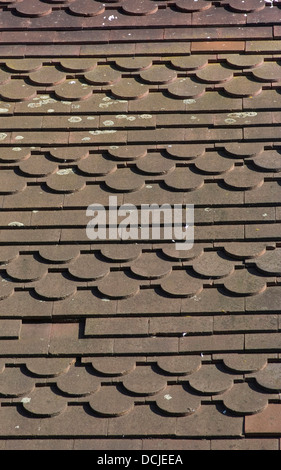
114,10
181,396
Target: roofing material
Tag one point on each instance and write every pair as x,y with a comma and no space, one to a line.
113,344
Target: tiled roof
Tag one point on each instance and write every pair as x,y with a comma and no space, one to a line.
125,344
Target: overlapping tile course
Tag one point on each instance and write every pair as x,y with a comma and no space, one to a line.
135,344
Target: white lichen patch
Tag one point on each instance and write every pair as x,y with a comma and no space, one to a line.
232,117
189,101
75,119
65,171
124,116
145,116
105,131
16,224
37,102
25,400
168,397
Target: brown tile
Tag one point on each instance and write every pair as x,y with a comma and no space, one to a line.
34,340
175,444
213,343
145,345
218,46
262,341
245,399
108,444
40,444
64,339
243,323
116,326
22,305
240,362
142,421
245,444
84,301
265,423
210,380
10,329
209,422
248,6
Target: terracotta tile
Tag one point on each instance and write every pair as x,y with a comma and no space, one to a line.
175,444
105,75
87,8
200,6
244,398
110,402
181,402
183,326
37,166
64,339
215,73
85,424
218,46
108,444
210,380
134,35
142,421
246,61
48,367
10,329
244,250
246,323
116,327
267,378
73,90
113,366
26,269
248,6
88,268
261,46
30,9
263,231
209,421
55,287
40,444
267,300
164,48
212,343
34,339
180,284
240,362
129,89
145,345
262,341
267,14
44,403
84,300
245,444
264,423
17,90
186,88
139,8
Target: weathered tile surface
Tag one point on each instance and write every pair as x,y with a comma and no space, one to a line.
117,343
